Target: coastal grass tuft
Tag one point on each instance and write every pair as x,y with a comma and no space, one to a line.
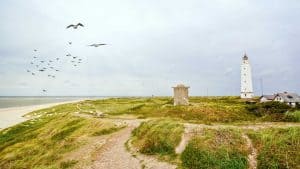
215,148
157,137
277,147
106,131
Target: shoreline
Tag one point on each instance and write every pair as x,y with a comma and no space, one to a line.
14,115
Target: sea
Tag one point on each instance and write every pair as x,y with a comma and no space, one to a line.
20,101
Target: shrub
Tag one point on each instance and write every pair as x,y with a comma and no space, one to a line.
271,111
293,116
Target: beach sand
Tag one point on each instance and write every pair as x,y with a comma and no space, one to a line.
13,115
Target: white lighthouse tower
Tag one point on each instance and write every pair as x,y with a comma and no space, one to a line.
246,79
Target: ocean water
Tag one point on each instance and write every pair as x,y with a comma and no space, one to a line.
19,101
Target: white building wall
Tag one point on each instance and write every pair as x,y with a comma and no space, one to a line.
246,79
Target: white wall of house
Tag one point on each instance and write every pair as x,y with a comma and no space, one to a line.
263,99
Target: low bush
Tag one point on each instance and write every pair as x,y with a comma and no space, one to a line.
271,111
293,116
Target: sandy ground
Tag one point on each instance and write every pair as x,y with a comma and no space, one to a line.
13,115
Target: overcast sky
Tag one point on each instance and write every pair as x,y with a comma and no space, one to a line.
152,46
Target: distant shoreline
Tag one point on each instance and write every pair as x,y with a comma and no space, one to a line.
14,115
22,101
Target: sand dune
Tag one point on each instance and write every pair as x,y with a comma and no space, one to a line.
12,116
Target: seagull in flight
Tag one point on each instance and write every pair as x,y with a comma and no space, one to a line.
70,43
97,44
75,26
44,90
35,50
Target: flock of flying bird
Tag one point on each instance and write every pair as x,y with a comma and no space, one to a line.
49,66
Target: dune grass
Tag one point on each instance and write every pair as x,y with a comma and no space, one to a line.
43,141
200,110
277,148
158,137
216,148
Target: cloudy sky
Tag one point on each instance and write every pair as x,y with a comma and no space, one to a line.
152,45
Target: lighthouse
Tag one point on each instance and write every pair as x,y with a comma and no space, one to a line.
246,79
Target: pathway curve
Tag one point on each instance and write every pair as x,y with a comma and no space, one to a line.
114,155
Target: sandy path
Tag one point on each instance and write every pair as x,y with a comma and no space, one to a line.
14,115
252,162
114,154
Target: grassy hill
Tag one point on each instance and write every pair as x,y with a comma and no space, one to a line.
53,136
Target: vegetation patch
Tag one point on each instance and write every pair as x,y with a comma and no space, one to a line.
44,141
274,111
106,131
293,116
216,148
158,137
68,164
201,109
277,148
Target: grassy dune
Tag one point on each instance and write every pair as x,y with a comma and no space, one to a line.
277,148
47,140
157,137
216,148
44,141
201,109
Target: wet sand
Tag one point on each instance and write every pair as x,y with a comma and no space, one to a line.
12,116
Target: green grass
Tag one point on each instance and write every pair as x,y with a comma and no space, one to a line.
216,148
157,137
106,131
293,116
42,142
277,148
200,110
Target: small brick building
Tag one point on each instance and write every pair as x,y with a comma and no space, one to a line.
181,95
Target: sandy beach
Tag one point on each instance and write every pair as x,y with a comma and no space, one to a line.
12,116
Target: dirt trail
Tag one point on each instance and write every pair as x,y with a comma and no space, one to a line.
253,155
114,155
